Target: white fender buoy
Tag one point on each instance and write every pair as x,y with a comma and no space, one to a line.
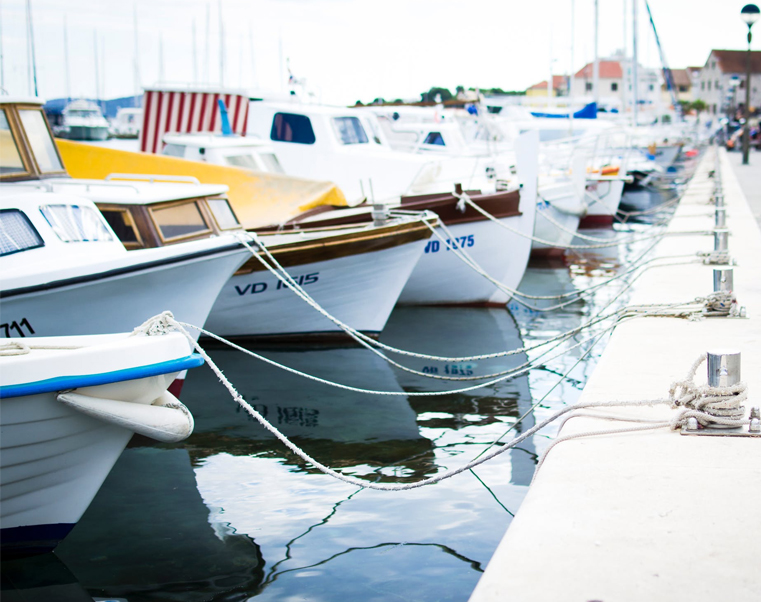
167,419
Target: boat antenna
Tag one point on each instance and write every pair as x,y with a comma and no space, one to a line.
30,31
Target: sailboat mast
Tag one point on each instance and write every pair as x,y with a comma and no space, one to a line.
66,58
624,65
161,56
2,61
207,76
195,54
251,50
635,64
136,66
97,74
221,47
31,60
596,66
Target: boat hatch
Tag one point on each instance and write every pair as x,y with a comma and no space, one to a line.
17,233
27,148
160,224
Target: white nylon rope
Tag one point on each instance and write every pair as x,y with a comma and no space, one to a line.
166,321
16,347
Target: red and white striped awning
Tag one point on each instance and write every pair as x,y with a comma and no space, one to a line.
185,111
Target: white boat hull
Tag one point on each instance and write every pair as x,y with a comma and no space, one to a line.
441,277
604,198
53,456
360,290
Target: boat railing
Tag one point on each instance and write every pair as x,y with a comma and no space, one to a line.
152,178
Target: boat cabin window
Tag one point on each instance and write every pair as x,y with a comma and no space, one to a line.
271,163
123,225
350,130
247,161
75,223
434,138
17,233
179,220
289,127
174,150
223,214
40,140
10,158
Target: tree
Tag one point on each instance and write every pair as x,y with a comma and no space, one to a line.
430,96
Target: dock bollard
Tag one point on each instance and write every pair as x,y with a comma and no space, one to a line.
723,280
718,198
723,368
721,239
721,217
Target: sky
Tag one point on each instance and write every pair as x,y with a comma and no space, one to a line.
346,50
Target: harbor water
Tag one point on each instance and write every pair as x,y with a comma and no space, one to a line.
230,514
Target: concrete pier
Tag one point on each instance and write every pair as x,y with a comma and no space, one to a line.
652,515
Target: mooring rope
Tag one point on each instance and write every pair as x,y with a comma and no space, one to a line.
166,321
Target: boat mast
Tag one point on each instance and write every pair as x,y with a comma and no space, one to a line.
635,64
570,78
251,49
195,54
136,66
596,66
624,66
221,47
207,76
97,73
66,58
2,62
161,56
32,62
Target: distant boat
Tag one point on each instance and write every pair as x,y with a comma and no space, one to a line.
82,120
127,123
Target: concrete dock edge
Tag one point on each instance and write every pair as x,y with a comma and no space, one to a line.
652,515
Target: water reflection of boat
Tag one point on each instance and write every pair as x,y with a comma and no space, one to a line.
40,579
462,332
300,408
166,547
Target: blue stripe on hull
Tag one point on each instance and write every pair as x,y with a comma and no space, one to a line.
63,383
32,540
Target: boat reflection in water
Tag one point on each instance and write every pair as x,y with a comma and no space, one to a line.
40,579
332,535
141,540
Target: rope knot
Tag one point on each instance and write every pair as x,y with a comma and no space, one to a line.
711,406
720,303
159,325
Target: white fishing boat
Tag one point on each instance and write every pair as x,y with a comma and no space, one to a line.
69,407
82,120
65,270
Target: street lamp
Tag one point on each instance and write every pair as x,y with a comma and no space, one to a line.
750,14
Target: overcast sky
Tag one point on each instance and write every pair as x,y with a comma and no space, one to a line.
347,50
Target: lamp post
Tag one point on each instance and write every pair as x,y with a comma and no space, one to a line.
749,14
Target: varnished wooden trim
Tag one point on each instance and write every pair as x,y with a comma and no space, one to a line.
21,146
33,161
344,245
185,237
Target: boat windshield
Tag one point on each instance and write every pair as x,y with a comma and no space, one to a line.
223,214
179,220
10,158
83,113
40,140
75,223
17,233
246,160
350,130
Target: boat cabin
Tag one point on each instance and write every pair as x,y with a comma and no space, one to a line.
235,151
144,211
